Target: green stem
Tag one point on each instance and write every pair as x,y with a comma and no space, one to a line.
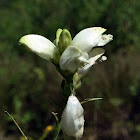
56,131
17,125
57,127
68,89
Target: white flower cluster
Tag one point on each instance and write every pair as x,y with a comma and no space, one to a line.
72,58
79,56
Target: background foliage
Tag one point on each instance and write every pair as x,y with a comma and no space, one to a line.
30,86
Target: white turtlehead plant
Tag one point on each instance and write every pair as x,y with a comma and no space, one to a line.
73,59
72,120
80,54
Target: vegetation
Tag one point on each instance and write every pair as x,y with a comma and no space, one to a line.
29,86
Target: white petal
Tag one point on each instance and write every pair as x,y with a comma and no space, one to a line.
95,54
88,38
72,119
83,71
103,58
72,58
39,45
105,39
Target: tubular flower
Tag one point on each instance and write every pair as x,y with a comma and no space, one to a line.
76,55
82,54
73,59
39,45
72,120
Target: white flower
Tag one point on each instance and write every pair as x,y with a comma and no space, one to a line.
39,45
88,38
72,58
79,56
72,120
95,54
82,46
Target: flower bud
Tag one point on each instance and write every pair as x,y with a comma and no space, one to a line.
58,32
64,40
72,120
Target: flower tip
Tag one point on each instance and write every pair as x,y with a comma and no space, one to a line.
106,38
109,36
99,29
103,58
23,42
22,39
58,32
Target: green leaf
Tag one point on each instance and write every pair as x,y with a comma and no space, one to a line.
90,99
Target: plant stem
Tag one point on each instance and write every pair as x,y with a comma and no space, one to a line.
17,125
57,130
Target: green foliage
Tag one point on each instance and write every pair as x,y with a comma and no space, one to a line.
28,83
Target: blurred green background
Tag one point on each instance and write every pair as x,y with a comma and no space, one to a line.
30,86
